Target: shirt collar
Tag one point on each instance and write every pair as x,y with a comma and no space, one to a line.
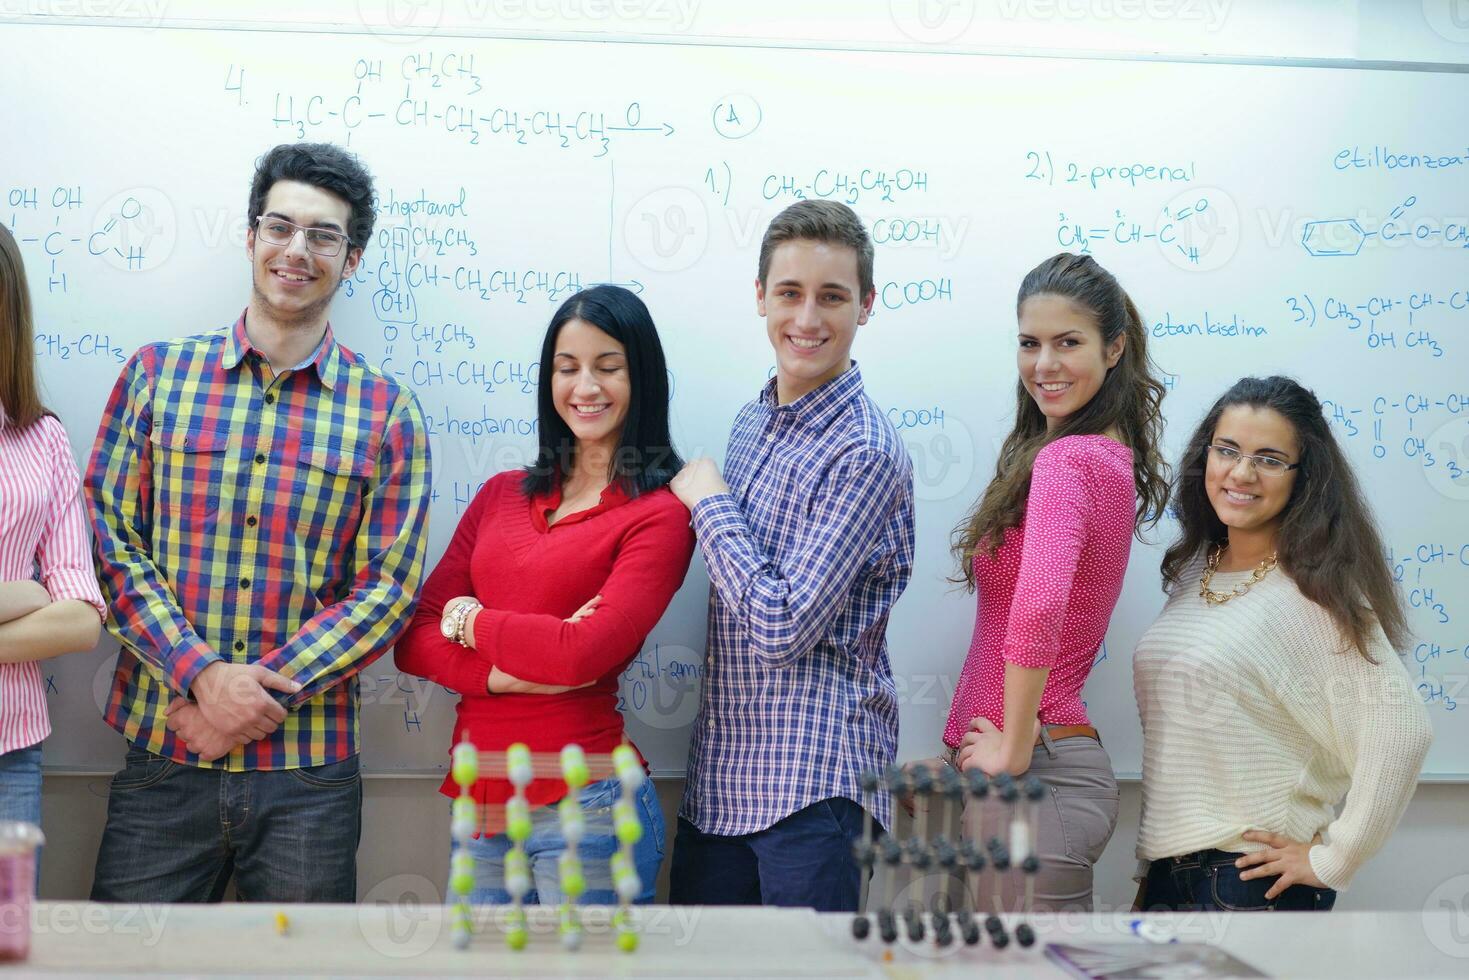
817,407
540,503
325,359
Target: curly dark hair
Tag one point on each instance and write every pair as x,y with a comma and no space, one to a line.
322,165
1328,542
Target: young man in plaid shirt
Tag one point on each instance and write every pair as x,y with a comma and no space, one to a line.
259,497
808,546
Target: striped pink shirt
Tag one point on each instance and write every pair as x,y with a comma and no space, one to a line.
41,524
1047,594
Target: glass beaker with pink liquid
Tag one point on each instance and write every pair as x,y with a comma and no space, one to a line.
18,843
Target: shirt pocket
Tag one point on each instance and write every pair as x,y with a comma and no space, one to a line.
193,477
327,489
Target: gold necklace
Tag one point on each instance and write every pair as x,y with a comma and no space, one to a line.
1212,565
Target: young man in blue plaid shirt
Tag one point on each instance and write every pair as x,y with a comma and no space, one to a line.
808,545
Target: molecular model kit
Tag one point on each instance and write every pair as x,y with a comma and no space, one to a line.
520,766
926,862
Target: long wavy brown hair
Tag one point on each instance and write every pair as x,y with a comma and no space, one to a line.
1328,542
19,395
1129,403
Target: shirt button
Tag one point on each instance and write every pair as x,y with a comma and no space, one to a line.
239,644
709,661
259,457
770,437
250,521
711,723
244,583
270,399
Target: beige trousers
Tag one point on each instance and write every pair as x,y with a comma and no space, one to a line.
1074,822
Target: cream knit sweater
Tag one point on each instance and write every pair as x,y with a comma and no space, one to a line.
1257,715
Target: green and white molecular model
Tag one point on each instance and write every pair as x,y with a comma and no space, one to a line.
520,766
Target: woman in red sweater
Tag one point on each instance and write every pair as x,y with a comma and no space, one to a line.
553,580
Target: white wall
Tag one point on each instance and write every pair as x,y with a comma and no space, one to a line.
405,847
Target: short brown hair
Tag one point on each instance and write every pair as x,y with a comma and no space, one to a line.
19,398
820,221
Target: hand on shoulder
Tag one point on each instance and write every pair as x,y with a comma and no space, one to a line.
698,480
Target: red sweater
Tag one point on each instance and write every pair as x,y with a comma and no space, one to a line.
530,577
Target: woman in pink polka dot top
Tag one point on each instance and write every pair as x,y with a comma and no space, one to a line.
1045,548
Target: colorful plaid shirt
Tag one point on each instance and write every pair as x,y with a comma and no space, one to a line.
806,556
253,517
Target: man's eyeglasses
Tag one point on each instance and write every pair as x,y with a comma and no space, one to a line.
1263,464
279,231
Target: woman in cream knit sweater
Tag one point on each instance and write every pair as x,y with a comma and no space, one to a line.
1270,686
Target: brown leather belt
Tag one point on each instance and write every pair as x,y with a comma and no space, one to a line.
1058,732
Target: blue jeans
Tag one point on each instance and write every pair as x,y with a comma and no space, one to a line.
803,860
1208,881
20,789
177,833
597,844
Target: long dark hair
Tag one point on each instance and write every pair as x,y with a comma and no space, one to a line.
1129,402
645,458
20,397
1328,543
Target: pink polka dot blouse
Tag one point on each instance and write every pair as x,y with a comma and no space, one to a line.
1045,598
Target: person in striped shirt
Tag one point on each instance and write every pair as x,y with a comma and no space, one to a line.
42,526
808,546
260,501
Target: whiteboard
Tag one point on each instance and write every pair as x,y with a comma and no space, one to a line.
1265,218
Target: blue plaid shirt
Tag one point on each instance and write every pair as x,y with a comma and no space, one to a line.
806,556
